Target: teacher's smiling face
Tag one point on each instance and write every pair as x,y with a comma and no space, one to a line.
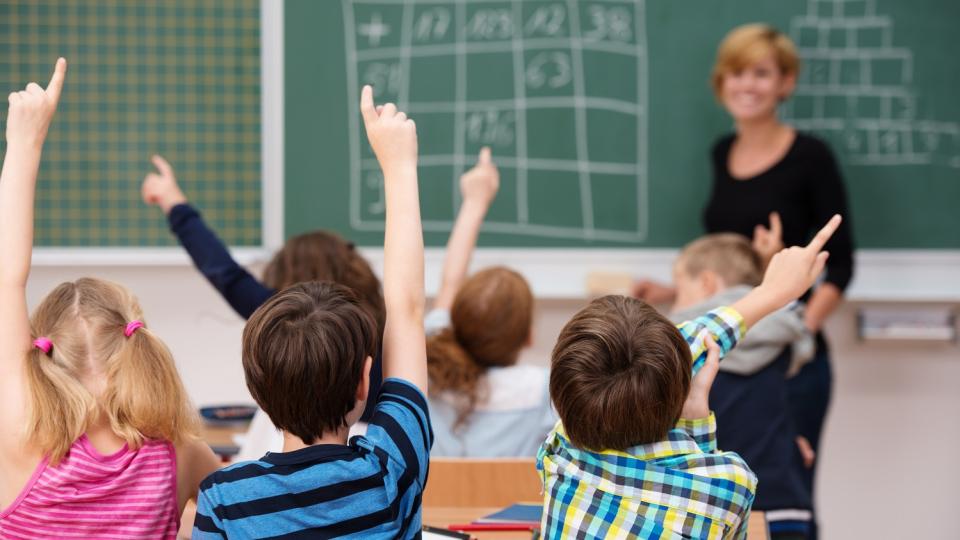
753,92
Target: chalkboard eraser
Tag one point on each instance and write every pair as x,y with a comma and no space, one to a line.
913,324
604,283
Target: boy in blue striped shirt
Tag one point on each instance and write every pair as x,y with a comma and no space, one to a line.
307,354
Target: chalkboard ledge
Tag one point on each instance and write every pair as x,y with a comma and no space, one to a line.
172,256
881,275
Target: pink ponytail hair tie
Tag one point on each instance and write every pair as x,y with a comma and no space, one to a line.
132,327
44,344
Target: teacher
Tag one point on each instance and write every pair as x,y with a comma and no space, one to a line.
777,186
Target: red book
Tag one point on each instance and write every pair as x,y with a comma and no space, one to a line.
492,527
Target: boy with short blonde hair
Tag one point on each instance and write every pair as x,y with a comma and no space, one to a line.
750,392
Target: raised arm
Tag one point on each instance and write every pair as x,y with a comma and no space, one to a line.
478,186
393,138
789,274
30,113
238,287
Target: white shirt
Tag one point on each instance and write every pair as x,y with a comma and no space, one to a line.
513,421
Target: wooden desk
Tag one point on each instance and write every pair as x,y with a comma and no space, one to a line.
220,438
442,516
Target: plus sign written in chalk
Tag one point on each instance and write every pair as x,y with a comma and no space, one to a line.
374,30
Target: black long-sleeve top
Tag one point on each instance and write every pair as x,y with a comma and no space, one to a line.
805,187
241,290
238,287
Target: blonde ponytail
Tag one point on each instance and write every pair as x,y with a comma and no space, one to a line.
140,371
142,396
60,406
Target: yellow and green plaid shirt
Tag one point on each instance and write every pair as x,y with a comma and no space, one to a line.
678,488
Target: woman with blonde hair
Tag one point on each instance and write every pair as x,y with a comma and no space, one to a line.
97,436
776,185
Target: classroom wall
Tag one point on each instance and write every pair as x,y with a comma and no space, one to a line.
889,466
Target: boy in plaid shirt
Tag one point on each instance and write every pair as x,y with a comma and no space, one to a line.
634,454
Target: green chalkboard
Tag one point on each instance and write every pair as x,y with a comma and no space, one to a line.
178,77
600,115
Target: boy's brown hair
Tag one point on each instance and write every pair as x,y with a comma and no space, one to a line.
304,352
619,375
325,256
730,255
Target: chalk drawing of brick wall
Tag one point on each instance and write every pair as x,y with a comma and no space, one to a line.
856,88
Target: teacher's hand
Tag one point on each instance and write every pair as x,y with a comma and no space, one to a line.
653,292
768,242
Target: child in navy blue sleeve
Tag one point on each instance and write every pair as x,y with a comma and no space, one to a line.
312,256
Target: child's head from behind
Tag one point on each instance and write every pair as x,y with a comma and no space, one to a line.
490,323
713,263
306,356
619,375
325,256
101,366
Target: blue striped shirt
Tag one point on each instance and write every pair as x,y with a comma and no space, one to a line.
370,488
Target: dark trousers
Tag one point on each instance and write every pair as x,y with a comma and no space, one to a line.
809,397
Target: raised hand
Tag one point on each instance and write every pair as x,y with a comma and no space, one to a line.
768,242
697,404
30,113
793,270
161,188
789,274
31,110
653,293
392,135
480,183
478,186
393,138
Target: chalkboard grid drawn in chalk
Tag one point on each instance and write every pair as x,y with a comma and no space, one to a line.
557,89
178,78
856,89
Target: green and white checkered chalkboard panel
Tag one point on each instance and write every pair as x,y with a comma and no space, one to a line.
180,78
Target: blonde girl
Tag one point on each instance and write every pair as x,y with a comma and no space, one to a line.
97,436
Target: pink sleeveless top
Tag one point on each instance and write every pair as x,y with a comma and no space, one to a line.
128,494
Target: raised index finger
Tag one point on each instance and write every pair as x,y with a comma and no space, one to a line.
776,226
825,233
56,81
162,165
484,157
367,109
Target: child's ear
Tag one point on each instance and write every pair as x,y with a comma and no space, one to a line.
363,389
711,283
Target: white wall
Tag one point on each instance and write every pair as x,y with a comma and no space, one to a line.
889,463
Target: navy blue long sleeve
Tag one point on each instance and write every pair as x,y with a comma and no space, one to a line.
241,290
